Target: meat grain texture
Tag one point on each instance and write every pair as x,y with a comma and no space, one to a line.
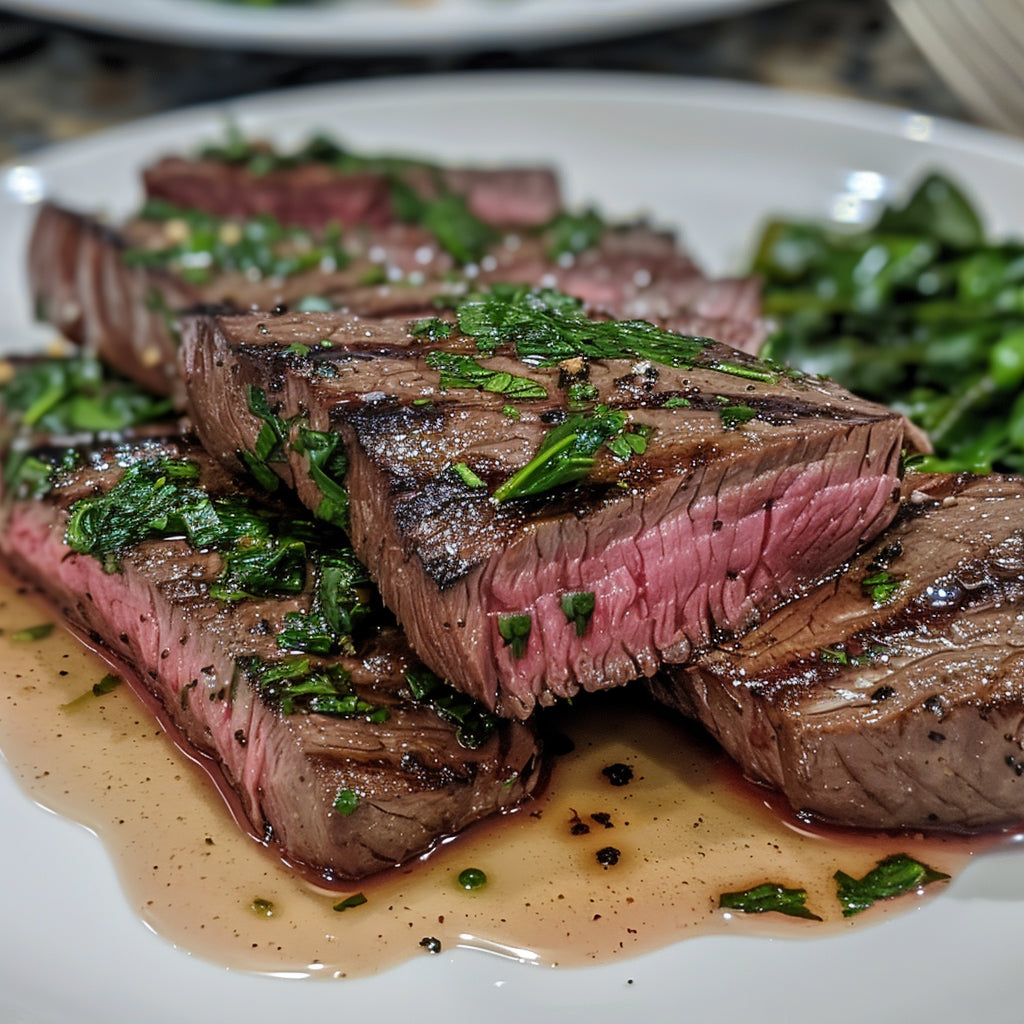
411,779
713,525
891,695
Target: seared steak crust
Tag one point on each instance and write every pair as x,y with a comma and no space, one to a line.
411,780
711,526
127,313
878,707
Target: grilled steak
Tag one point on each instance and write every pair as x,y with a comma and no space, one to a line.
118,291
701,494
349,762
314,192
891,695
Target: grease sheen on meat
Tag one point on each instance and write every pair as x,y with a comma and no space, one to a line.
409,778
901,712
712,525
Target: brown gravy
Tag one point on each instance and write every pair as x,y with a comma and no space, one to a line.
685,828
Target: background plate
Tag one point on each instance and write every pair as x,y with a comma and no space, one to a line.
352,26
715,159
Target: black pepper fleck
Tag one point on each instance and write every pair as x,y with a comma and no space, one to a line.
430,944
618,774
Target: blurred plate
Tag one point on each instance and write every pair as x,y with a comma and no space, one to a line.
711,157
353,26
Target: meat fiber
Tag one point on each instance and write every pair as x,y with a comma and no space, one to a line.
729,484
890,695
311,193
101,287
332,757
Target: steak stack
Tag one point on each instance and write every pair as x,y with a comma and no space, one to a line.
256,633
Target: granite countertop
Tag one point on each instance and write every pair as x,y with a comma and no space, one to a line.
59,83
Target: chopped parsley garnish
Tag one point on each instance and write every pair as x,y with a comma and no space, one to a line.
328,464
355,900
676,402
205,245
880,586
769,897
432,328
467,476
734,416
459,371
346,802
515,631
894,876
77,395
262,552
568,452
474,724
108,683
838,655
324,453
547,327
463,235
578,608
296,686
261,907
572,233
31,633
338,609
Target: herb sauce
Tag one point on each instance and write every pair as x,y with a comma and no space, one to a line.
590,872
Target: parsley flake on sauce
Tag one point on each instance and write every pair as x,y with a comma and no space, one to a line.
769,897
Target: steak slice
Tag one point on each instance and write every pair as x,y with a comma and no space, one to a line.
346,762
727,485
889,696
118,291
312,189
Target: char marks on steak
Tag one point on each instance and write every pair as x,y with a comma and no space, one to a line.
716,522
125,310
347,796
895,702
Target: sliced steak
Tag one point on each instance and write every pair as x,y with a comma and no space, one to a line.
332,758
891,695
728,483
119,291
315,192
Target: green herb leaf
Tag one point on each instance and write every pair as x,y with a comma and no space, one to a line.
297,687
468,477
77,394
346,802
105,685
734,416
355,900
578,608
547,327
566,455
515,631
769,898
328,465
475,724
880,586
572,233
31,633
891,877
433,328
459,371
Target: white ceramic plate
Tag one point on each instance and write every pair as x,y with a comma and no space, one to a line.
352,26
715,158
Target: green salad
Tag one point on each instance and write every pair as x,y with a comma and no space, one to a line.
922,311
